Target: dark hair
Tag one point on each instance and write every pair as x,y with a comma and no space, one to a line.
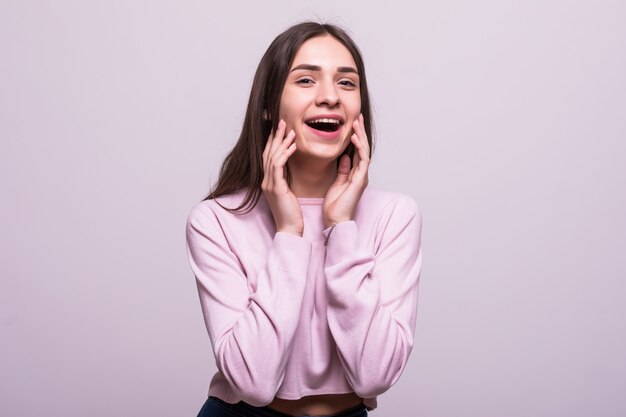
243,166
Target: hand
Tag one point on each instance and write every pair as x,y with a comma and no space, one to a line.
283,203
345,192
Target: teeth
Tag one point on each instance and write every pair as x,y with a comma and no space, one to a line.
335,121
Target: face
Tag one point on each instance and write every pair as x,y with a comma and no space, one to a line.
321,98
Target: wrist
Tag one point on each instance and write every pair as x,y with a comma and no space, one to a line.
292,231
329,223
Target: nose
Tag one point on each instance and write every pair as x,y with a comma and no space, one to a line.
327,94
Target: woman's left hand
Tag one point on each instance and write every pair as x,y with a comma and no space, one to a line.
344,194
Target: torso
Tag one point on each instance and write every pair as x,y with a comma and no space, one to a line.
316,405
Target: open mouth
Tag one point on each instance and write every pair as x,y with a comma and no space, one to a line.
325,125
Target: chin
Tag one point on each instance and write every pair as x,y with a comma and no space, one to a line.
326,155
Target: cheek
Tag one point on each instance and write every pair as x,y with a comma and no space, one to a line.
353,106
357,106
289,109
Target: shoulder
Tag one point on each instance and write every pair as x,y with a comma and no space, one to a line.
398,219
387,203
216,209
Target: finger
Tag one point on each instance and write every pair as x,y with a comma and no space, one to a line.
276,162
355,158
269,177
274,142
362,148
284,156
287,141
278,165
363,135
278,136
284,145
342,170
360,128
266,150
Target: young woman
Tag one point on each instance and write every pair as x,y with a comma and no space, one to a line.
308,277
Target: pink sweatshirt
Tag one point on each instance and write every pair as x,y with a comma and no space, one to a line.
289,316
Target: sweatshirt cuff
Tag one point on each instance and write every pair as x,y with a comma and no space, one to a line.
342,241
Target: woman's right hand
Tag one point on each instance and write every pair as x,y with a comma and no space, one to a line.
283,203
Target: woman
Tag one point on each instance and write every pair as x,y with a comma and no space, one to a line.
310,295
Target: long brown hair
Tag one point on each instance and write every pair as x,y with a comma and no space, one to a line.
243,166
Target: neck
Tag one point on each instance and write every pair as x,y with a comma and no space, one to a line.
311,178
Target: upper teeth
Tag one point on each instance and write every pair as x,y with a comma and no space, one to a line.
325,121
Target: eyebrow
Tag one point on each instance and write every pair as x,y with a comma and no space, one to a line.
318,68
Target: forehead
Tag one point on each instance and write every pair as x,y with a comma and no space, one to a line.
325,51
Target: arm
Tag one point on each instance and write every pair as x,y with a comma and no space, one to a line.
251,333
372,298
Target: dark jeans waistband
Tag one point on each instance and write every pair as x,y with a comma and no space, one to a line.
248,410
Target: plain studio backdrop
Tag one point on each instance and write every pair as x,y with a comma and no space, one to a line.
505,120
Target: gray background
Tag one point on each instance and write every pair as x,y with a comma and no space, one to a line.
505,120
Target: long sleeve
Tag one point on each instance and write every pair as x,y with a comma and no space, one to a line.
251,333
372,297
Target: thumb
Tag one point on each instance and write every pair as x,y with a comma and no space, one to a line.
343,169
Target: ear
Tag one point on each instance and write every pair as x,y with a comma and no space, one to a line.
265,114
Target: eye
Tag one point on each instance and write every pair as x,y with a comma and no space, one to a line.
304,81
347,83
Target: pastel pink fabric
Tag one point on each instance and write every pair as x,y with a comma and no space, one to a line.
290,317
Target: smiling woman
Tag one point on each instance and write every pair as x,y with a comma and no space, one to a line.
296,59
310,296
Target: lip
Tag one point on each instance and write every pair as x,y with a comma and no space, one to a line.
327,116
